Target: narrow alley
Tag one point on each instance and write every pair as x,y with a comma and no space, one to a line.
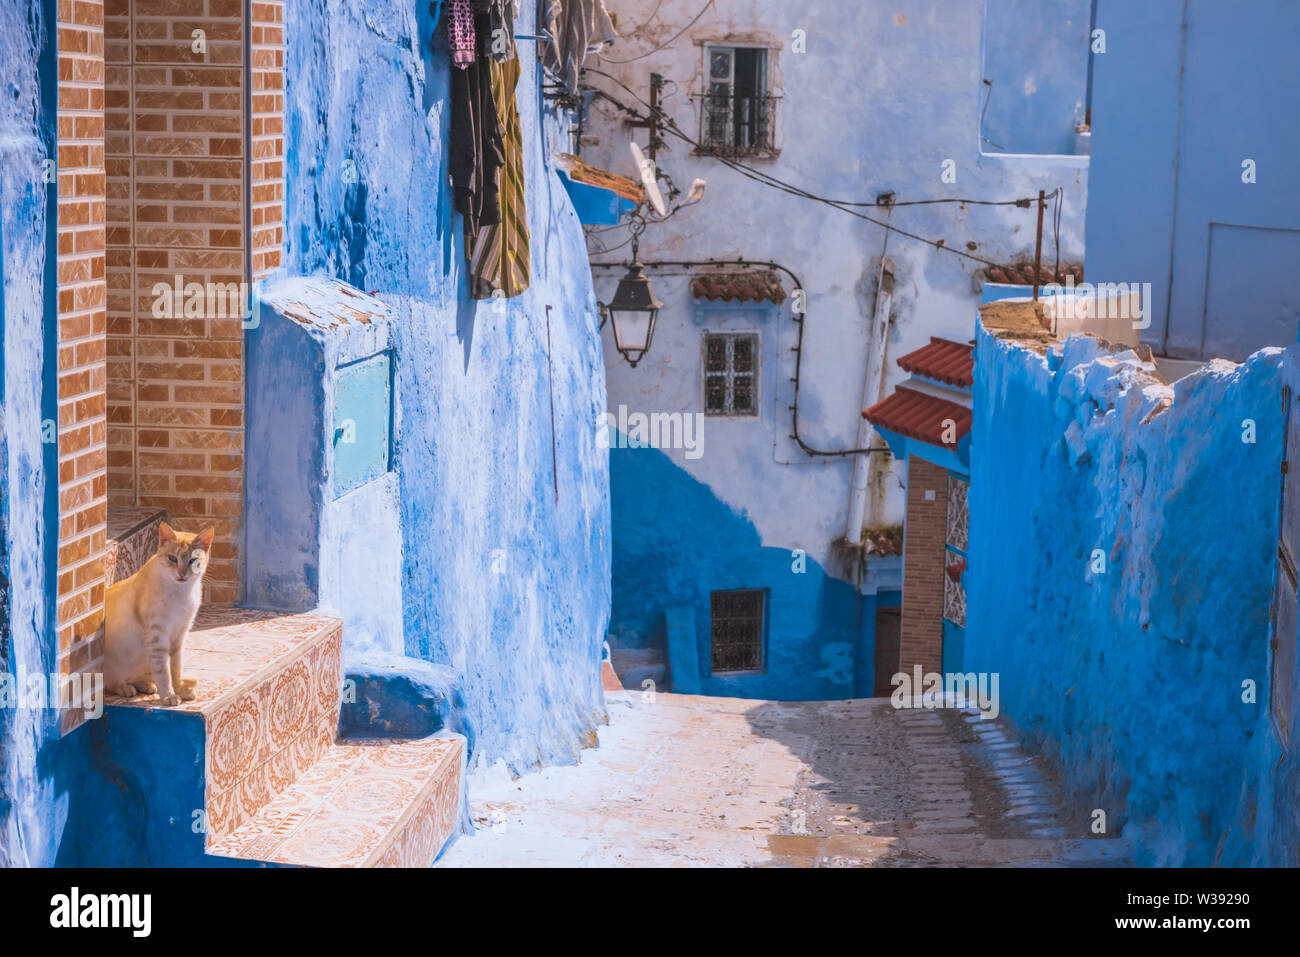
685,780
516,434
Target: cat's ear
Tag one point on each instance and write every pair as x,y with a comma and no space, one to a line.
204,540
165,534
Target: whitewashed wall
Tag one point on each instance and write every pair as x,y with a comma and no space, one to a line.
884,94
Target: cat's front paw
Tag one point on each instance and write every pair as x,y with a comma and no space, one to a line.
170,701
186,690
123,691
146,687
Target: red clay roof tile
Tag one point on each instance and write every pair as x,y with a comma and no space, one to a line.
918,415
751,285
944,361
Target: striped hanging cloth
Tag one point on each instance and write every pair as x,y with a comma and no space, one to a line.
498,255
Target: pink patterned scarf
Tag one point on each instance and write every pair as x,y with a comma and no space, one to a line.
460,31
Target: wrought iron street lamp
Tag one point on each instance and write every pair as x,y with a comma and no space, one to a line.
633,312
634,308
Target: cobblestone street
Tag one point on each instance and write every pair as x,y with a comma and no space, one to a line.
700,781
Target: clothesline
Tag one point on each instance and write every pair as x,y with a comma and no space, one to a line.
486,157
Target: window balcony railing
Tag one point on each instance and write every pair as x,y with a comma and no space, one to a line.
737,125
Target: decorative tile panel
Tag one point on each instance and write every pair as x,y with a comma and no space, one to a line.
132,540
268,691
278,785
958,513
954,595
384,803
956,536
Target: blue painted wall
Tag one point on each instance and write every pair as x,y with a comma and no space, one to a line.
35,765
1185,92
516,652
1132,679
675,541
1036,67
500,580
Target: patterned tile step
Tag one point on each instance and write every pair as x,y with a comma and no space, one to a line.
231,651
268,696
380,803
132,538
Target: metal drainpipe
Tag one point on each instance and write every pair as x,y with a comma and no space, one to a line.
873,384
871,390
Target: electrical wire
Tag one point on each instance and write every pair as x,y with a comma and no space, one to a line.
804,194
661,46
1024,202
984,112
614,249
844,206
801,319
768,180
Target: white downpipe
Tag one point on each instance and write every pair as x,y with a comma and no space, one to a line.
872,387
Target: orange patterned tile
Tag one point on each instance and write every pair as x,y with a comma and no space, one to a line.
258,696
232,650
236,741
278,786
364,804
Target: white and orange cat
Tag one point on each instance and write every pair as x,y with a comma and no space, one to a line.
148,615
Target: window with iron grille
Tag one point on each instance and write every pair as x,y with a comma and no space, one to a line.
736,630
954,554
736,110
731,373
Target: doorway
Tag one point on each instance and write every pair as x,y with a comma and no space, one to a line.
889,627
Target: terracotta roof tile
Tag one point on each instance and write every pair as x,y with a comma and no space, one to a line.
750,285
944,361
918,415
1022,274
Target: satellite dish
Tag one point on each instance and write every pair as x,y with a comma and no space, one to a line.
649,179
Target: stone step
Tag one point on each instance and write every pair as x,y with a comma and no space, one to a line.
254,764
266,709
381,803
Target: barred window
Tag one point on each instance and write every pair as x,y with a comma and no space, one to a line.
954,555
731,373
736,110
736,630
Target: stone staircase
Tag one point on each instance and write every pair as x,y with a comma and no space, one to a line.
253,771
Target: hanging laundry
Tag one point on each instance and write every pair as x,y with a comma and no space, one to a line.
460,33
499,258
577,27
476,148
498,40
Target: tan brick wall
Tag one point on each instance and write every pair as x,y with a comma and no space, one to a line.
178,168
924,530
267,166
82,423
